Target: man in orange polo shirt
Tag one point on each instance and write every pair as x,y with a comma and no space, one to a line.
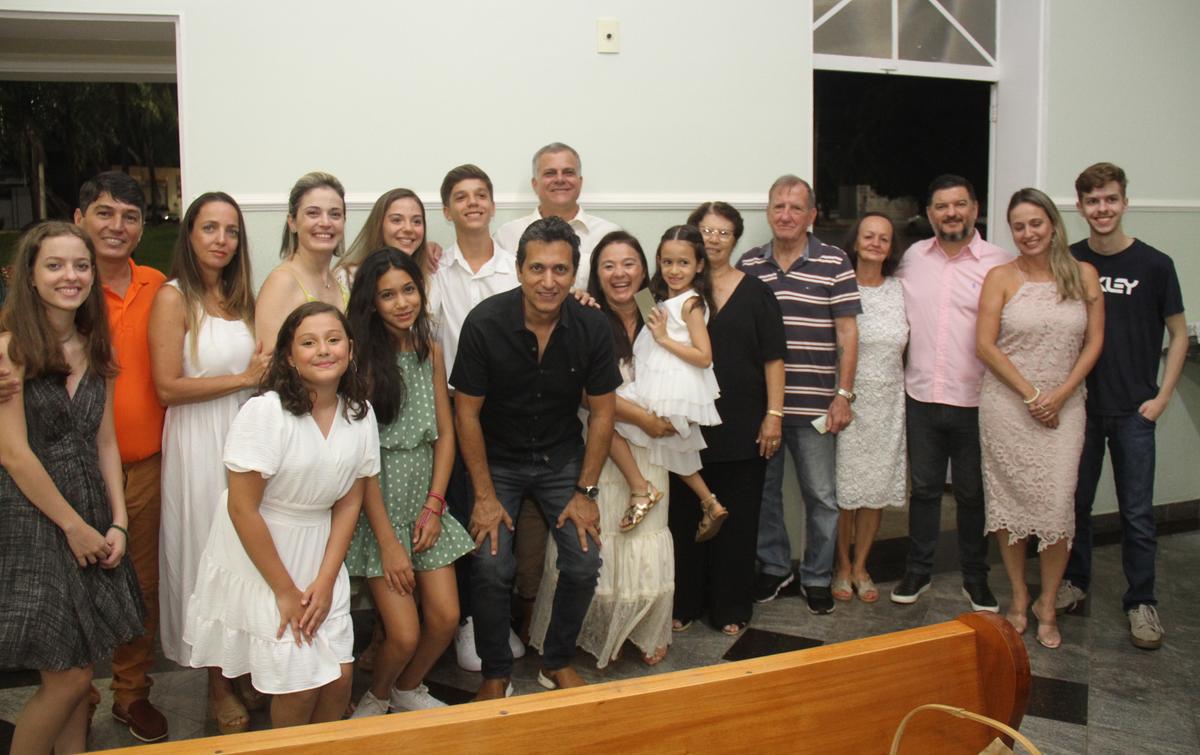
111,212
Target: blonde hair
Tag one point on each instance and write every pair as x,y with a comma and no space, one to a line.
1063,266
308,182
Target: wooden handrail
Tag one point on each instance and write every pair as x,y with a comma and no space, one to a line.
844,697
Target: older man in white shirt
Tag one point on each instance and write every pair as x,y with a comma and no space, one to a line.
557,181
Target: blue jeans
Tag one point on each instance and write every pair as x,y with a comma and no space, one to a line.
939,434
815,457
492,576
1131,441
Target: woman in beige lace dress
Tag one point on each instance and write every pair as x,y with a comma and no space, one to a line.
1040,330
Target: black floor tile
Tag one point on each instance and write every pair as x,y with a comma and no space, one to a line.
447,694
1059,700
755,643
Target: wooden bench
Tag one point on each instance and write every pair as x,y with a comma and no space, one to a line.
844,697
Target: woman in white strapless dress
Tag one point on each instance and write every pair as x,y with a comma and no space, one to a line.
205,363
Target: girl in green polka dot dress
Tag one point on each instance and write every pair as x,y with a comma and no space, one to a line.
403,545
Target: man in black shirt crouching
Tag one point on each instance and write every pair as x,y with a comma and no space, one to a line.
525,360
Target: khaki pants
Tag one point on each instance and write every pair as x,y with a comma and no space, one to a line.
132,661
530,549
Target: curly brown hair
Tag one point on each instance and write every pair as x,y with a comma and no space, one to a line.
283,378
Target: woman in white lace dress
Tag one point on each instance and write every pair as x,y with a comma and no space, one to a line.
872,459
1040,331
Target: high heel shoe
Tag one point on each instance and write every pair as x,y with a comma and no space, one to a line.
1019,621
1048,635
710,523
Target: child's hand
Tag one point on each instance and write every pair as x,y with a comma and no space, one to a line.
397,568
291,613
316,600
657,323
427,531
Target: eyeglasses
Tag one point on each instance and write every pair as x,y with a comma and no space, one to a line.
718,232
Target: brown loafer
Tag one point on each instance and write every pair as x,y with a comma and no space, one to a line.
144,720
494,689
563,678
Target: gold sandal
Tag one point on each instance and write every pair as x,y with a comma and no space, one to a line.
710,523
638,511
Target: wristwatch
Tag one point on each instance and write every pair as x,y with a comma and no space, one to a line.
848,395
590,491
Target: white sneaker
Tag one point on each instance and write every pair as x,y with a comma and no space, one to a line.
515,645
464,647
369,705
1145,630
413,699
1068,597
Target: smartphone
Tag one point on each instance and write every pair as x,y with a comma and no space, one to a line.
645,302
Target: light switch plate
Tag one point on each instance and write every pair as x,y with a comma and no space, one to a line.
608,36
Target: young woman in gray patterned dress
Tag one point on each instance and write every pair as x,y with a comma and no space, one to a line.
404,545
69,597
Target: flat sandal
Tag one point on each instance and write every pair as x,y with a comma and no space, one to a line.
710,523
637,511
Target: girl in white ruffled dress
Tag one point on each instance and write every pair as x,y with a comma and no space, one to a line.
272,596
674,379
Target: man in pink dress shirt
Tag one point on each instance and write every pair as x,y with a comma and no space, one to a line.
942,277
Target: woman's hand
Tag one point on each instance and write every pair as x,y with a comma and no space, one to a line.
770,435
87,545
655,426
1045,408
397,568
427,530
657,323
117,544
254,371
316,600
291,613
583,297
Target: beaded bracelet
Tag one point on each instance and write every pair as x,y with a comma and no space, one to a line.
1037,392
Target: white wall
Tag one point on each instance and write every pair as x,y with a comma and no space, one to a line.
1121,87
704,101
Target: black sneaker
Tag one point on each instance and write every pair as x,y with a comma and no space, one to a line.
980,596
820,599
910,588
767,586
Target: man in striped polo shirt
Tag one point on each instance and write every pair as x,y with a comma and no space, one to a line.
818,294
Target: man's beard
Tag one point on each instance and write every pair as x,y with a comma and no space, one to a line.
955,236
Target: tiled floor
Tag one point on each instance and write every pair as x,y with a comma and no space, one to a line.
1096,694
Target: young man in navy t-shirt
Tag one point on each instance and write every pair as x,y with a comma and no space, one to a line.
1124,399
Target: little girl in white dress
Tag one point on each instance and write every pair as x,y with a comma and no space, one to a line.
674,379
